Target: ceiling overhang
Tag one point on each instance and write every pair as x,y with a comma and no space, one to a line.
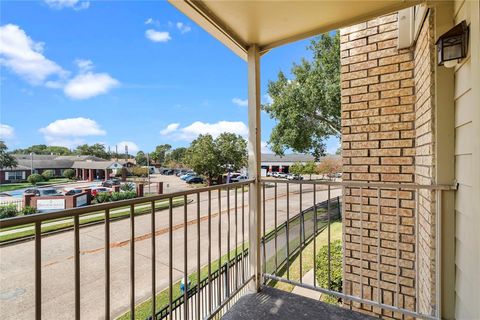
269,24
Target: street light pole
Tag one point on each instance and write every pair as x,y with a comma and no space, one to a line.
31,162
148,171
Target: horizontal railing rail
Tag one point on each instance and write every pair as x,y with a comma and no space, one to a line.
367,224
234,212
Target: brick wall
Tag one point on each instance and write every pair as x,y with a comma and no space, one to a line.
425,161
386,132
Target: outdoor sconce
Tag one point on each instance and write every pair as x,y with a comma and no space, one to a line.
452,45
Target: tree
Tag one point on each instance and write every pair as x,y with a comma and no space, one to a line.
35,178
213,157
44,149
69,173
141,159
97,150
296,168
329,166
177,155
310,168
161,151
307,106
6,159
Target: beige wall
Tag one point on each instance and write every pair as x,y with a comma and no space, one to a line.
467,172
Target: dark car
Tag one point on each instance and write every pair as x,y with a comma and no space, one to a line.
44,192
111,183
194,179
73,192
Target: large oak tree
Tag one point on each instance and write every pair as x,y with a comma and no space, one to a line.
306,106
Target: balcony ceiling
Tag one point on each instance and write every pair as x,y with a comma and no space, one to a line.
269,24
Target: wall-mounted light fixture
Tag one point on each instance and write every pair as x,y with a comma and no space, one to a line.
453,45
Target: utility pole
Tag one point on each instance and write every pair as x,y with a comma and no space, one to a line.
116,152
148,171
31,162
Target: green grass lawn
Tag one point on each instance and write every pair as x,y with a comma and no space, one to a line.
123,212
16,186
144,309
307,256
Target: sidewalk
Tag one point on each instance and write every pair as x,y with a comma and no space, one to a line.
312,294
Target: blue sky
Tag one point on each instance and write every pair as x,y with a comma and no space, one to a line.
121,72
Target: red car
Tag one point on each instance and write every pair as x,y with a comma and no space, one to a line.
96,191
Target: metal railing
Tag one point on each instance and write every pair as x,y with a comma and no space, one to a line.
213,303
374,215
17,203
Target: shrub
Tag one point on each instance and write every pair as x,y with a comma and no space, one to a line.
48,174
103,197
140,171
35,178
129,194
335,271
8,211
69,173
127,187
29,210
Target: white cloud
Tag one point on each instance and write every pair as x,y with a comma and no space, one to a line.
240,102
88,85
172,127
70,132
265,148
6,132
72,4
149,21
192,131
23,56
132,147
183,27
266,99
157,36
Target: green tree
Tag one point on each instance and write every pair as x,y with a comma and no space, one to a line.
44,149
161,152
6,159
213,157
35,178
97,150
296,168
69,173
202,156
310,168
141,159
177,155
306,107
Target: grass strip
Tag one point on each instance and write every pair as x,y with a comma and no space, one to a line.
123,212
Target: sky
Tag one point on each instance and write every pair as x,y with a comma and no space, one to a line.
136,73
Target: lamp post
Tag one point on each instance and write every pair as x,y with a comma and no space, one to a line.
148,171
31,162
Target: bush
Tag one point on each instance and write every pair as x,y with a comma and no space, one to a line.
103,197
8,211
29,210
336,256
48,174
140,171
69,173
127,187
35,178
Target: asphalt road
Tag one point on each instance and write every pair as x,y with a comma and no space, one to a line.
17,261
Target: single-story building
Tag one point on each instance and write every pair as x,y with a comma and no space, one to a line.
95,170
275,163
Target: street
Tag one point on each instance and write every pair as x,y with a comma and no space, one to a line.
17,261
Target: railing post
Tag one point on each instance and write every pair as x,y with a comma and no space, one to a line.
254,162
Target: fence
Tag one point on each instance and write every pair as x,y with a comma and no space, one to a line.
17,203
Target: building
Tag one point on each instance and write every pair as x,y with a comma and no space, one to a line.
88,167
275,163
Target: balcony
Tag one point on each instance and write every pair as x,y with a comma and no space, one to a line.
209,243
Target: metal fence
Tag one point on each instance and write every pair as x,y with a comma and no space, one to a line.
360,196
17,203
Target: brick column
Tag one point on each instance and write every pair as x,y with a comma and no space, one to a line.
27,199
140,190
160,187
90,175
378,143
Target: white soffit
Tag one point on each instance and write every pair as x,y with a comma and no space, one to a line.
269,24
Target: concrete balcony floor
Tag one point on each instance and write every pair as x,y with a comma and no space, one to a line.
276,304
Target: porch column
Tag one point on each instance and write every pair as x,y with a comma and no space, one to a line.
90,174
254,163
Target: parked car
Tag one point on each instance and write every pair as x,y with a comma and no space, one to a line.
111,183
281,175
194,179
168,172
187,175
96,191
275,174
71,192
43,192
294,177
239,178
